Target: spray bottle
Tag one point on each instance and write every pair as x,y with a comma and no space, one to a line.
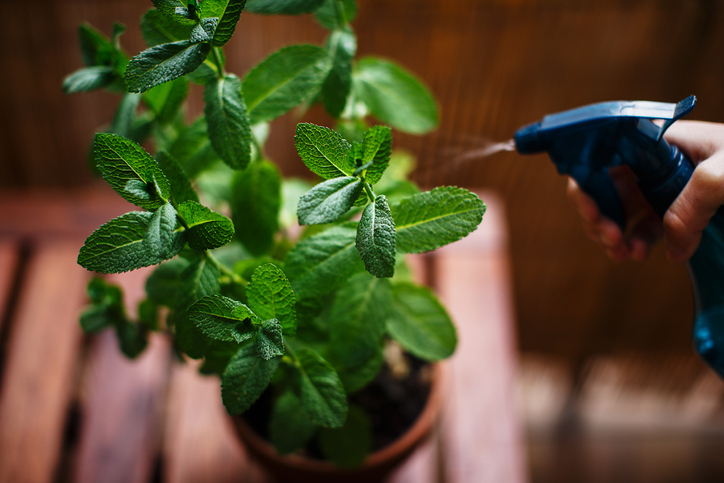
585,142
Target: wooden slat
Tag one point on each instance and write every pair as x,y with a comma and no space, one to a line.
480,434
123,410
421,467
41,361
9,260
199,440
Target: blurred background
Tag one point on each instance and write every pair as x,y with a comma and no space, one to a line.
610,389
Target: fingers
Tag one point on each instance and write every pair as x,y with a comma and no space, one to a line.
704,193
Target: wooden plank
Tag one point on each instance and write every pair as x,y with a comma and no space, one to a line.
199,440
41,361
120,434
480,433
422,466
9,262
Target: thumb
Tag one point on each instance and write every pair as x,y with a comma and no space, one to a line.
690,213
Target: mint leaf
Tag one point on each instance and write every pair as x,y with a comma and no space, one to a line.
358,317
122,161
420,324
290,427
283,80
193,149
356,377
132,339
204,30
376,238
158,28
169,9
377,146
222,318
320,390
161,238
282,7
245,378
319,264
89,79
270,296
163,284
395,96
181,189
323,151
118,246
341,47
229,17
255,206
269,340
431,219
98,50
228,121
165,100
328,200
348,446
327,15
163,63
125,116
206,229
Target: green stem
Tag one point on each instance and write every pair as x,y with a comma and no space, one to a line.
369,191
225,270
339,10
217,60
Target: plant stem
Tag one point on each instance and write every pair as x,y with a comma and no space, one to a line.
217,61
369,191
339,10
225,270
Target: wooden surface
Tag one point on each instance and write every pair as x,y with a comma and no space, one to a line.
74,409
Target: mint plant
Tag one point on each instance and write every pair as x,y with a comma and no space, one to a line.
305,315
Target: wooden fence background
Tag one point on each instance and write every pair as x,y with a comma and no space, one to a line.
494,65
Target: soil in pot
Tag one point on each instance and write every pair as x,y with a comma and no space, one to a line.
393,405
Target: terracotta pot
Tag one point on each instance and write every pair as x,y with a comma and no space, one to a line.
377,466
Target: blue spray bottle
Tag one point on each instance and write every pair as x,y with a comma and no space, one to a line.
585,142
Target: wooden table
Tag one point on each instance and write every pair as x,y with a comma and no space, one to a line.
72,408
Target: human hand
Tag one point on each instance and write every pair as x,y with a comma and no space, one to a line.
685,219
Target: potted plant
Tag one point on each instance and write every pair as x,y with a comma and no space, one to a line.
299,323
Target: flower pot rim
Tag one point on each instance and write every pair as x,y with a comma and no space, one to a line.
399,448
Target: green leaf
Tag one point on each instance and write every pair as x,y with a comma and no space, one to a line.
158,28
95,318
123,120
132,339
321,263
89,79
420,324
119,245
292,189
161,238
204,30
181,189
270,296
348,446
328,200
222,318
206,229
229,17
376,238
358,317
377,149
255,206
327,14
269,340
163,63
323,150
163,284
290,427
283,80
245,378
320,390
166,100
431,219
357,377
122,161
228,121
168,8
395,96
341,46
193,149
282,7
98,50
